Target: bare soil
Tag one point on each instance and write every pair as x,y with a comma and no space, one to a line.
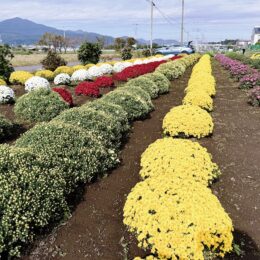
96,231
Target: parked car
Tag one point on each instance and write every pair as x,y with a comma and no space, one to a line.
175,49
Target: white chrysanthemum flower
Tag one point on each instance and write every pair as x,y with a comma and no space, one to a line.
106,68
36,82
80,75
119,66
138,62
95,71
62,79
6,95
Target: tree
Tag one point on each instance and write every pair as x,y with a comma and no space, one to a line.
130,41
119,43
89,53
101,41
126,53
46,39
6,67
52,61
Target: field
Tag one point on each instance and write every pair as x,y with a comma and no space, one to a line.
144,199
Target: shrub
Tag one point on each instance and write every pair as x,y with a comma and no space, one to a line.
198,98
2,82
103,124
250,81
65,95
254,96
6,67
171,70
146,84
6,128
52,61
95,71
187,121
104,82
177,219
35,83
38,106
126,53
20,77
80,75
47,74
89,53
6,95
146,53
160,81
31,197
77,154
87,89
139,92
179,156
62,79
64,69
135,106
113,110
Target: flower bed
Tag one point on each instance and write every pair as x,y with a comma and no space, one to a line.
52,159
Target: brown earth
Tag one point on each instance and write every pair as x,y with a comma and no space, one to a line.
96,230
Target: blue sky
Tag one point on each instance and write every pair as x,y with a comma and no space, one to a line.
207,20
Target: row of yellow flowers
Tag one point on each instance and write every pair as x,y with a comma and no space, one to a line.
172,211
20,77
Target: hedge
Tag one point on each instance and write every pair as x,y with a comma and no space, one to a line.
6,127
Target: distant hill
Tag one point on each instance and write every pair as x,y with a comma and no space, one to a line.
22,31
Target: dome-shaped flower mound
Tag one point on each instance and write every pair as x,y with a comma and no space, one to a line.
106,69
119,66
95,71
36,82
172,70
62,79
146,84
39,105
47,74
177,219
179,156
199,98
160,80
188,121
64,69
6,95
2,82
78,67
20,77
80,75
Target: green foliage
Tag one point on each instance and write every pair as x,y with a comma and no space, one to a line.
52,61
146,84
126,53
146,53
31,196
254,63
103,124
6,127
89,53
134,101
116,111
39,105
79,155
6,67
171,70
160,81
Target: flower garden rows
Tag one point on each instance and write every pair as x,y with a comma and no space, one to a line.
248,77
172,211
43,103
49,161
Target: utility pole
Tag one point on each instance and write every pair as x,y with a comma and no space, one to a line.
182,22
151,37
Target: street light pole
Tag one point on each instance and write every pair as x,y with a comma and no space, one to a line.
151,36
182,22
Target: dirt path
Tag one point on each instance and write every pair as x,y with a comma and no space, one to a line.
95,230
235,146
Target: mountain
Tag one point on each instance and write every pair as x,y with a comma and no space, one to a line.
17,31
21,31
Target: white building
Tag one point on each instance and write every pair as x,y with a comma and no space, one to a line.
256,35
